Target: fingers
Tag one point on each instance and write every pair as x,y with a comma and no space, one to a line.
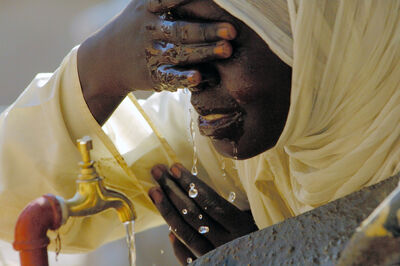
187,32
198,244
210,202
184,255
171,78
170,54
159,6
188,209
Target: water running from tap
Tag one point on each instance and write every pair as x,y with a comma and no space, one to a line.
130,239
193,135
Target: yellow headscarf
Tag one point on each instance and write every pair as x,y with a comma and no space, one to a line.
343,128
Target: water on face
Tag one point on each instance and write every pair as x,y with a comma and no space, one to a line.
130,239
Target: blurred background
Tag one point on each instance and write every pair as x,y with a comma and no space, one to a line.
34,38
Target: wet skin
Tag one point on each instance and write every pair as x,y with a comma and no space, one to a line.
140,50
253,89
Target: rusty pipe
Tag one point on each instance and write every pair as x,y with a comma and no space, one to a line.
50,212
31,230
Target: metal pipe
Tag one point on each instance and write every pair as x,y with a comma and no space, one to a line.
50,212
30,232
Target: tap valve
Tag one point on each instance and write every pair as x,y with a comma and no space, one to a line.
88,172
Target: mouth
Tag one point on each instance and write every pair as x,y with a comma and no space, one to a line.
222,126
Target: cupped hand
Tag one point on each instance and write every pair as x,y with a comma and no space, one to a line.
143,49
200,220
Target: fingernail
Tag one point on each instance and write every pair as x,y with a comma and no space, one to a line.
171,237
157,172
194,77
176,171
226,31
223,49
155,195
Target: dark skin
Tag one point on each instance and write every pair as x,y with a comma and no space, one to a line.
224,220
255,83
140,50
248,95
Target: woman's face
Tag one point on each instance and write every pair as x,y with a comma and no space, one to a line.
245,112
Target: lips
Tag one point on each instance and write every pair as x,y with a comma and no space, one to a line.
222,126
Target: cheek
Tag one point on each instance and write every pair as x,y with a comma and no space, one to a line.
241,80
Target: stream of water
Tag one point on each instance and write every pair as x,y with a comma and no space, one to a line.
130,239
193,135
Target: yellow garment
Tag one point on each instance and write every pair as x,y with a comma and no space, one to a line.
38,154
341,134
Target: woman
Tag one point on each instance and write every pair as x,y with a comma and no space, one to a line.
340,133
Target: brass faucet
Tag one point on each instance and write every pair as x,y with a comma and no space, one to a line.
92,196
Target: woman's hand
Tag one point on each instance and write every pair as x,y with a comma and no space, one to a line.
141,50
200,219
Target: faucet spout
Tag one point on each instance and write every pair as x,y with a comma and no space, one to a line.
92,196
50,212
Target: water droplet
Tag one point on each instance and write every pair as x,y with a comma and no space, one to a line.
235,150
205,207
223,166
204,229
200,216
193,192
189,260
232,196
176,230
162,251
184,211
192,185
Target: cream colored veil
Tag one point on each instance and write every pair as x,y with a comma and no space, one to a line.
343,128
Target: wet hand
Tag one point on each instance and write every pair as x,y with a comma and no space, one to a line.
200,219
141,50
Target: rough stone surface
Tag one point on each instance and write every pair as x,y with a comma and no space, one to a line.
313,238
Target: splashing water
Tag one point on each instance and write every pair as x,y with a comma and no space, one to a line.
223,166
130,239
193,191
204,229
193,135
232,197
235,151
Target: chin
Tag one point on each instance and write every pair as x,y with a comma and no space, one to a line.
239,150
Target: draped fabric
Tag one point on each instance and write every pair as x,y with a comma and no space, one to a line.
342,131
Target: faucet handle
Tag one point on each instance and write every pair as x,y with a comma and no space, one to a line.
85,144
